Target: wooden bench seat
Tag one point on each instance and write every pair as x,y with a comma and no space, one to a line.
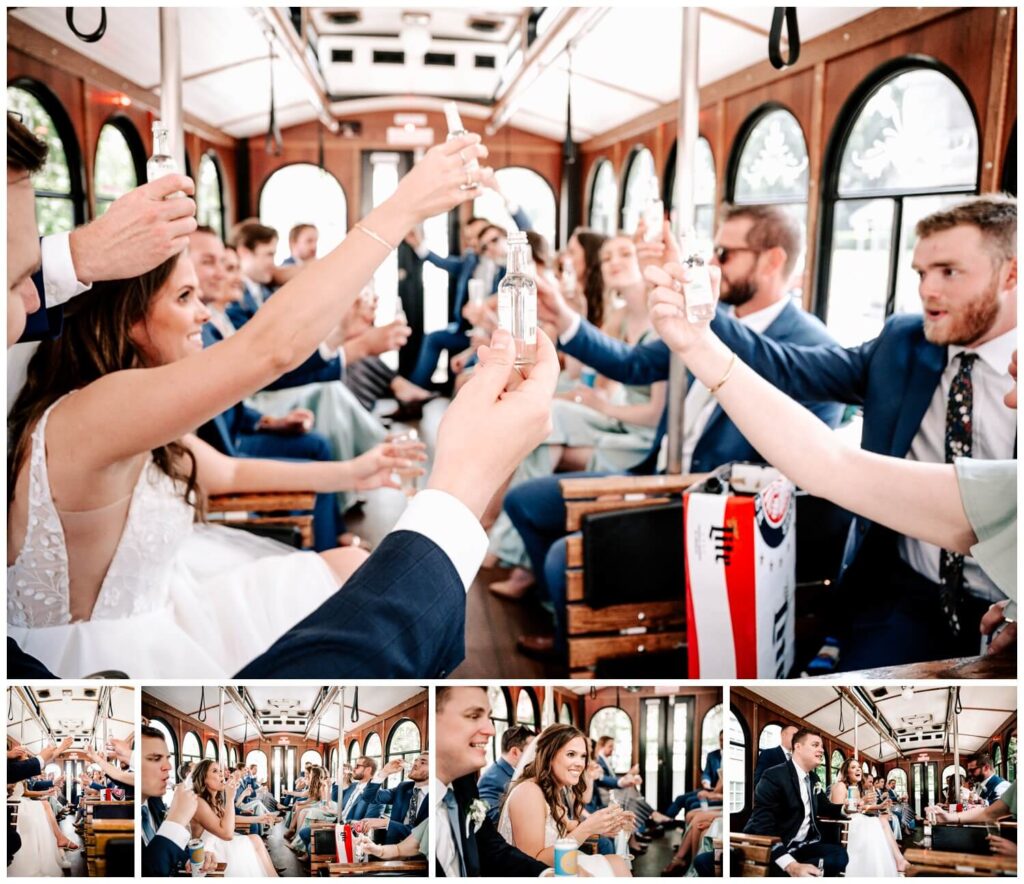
413,866
944,864
754,852
267,509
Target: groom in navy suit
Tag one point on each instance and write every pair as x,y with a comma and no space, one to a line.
757,249
409,799
931,387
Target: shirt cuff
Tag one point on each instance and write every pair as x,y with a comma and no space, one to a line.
175,832
447,521
378,778
42,764
59,279
328,353
785,861
422,251
570,332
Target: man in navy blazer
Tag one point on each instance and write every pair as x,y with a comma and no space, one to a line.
757,248
904,380
494,781
403,817
769,758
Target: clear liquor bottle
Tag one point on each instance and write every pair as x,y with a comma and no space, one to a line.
517,300
700,299
456,128
162,162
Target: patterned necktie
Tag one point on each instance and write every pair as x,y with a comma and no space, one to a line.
810,809
959,425
453,819
147,825
414,804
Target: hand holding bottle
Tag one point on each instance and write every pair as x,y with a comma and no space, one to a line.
668,305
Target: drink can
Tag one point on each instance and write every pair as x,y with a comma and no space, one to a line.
108,794
196,852
567,853
588,376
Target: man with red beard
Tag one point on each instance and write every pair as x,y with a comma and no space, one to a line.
931,388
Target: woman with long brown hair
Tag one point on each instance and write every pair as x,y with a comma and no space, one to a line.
870,843
107,477
545,802
214,823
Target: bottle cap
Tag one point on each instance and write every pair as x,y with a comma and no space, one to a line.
517,237
452,118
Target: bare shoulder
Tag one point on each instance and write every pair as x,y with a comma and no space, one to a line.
526,795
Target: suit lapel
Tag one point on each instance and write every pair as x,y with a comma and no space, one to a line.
922,379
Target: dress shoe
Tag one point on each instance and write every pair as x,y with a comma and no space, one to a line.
674,869
408,411
536,645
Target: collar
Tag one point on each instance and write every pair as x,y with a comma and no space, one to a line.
800,772
759,320
506,766
984,783
423,787
995,353
439,790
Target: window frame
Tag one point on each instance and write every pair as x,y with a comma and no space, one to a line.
534,702
829,195
668,180
627,170
747,128
554,200
211,154
595,170
282,235
136,148
69,141
636,737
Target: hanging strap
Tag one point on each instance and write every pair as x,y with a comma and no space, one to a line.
568,146
201,714
354,717
273,143
775,37
96,35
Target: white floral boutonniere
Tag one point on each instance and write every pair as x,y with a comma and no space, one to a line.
817,789
475,817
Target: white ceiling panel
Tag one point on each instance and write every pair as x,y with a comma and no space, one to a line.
70,712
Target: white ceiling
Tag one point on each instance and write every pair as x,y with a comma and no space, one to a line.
291,705
66,711
628,62
985,711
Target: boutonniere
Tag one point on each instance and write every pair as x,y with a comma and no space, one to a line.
475,817
817,789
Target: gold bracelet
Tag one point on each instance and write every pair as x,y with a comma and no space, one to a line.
375,236
725,376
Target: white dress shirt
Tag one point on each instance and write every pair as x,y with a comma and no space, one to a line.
444,847
350,803
169,829
994,432
787,859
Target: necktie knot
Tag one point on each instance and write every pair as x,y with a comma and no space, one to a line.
449,799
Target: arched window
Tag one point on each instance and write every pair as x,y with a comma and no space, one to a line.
709,733
499,700
613,722
533,194
639,188
119,157
172,749
334,759
736,760
312,756
259,758
526,708
210,195
947,771
403,742
1011,759
771,736
770,166
565,714
906,146
353,752
373,749
604,198
211,750
190,748
899,776
58,186
836,764
232,756
997,759
682,713
703,219
304,194
821,772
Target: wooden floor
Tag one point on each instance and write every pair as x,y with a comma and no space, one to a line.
659,852
282,856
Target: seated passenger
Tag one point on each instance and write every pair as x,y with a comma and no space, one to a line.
494,781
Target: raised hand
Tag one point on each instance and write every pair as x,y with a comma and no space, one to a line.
996,624
552,306
440,181
122,749
392,767
18,752
377,468
183,805
138,231
668,305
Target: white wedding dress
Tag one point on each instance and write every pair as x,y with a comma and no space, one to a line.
178,600
869,849
239,854
39,856
596,866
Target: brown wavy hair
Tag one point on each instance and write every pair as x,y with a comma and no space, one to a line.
217,800
845,770
95,341
561,799
593,283
315,783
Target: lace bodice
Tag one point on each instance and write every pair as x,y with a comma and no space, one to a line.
136,581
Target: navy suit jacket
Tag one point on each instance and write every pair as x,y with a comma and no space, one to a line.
492,785
713,767
893,377
241,311
720,442
365,805
22,768
161,857
400,615
767,759
44,322
399,799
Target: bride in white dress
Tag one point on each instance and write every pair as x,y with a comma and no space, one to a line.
545,802
871,847
107,566
39,855
214,824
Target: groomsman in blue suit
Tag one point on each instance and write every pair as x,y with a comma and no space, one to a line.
769,758
494,781
990,785
757,248
409,799
256,244
931,386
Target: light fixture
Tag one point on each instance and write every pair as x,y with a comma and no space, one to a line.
908,692
414,36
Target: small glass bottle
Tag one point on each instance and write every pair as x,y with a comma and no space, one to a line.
568,277
700,299
408,478
653,213
456,129
517,300
162,162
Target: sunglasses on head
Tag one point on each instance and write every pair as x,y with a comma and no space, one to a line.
722,253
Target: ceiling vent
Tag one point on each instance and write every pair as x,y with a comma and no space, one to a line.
440,59
43,694
484,25
91,693
485,61
343,17
341,56
388,56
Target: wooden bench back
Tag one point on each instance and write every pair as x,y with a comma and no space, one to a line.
754,852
